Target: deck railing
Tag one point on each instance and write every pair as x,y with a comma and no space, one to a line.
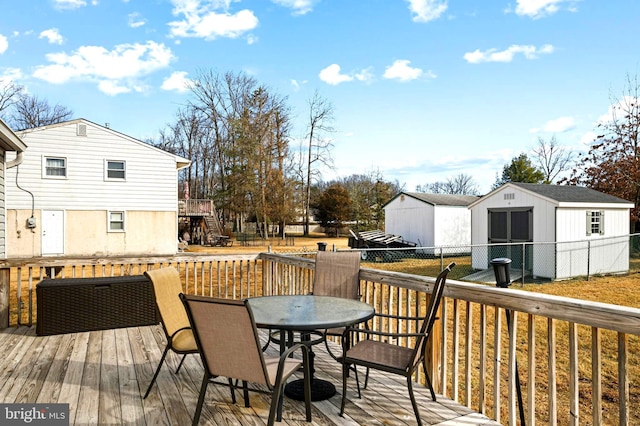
195,207
578,361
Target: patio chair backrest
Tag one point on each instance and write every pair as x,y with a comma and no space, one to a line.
337,273
227,338
431,312
167,287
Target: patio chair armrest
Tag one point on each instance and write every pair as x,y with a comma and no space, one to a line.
287,353
291,349
179,330
400,317
378,333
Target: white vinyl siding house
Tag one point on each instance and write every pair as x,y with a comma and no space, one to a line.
9,142
430,220
92,191
562,222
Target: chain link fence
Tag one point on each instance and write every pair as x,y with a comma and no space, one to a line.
530,262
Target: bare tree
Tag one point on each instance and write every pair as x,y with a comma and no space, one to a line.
222,99
368,193
319,145
552,158
461,184
9,94
31,112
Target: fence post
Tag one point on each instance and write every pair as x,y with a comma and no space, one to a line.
5,275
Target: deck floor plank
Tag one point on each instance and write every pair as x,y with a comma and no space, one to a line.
89,397
132,411
57,370
145,364
18,377
103,375
110,401
72,382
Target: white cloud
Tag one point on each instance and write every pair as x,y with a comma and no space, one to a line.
494,55
400,70
136,20
4,44
177,81
588,137
300,7
298,84
560,125
52,35
619,110
202,20
427,10
364,75
331,75
540,8
116,71
69,4
113,87
9,76
252,39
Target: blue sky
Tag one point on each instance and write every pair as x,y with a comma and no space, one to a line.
422,90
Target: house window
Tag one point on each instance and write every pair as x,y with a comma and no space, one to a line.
116,221
55,167
595,222
115,170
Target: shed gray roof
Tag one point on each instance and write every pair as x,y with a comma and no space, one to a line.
440,199
570,194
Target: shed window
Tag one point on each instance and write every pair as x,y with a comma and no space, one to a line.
55,167
115,170
595,222
116,221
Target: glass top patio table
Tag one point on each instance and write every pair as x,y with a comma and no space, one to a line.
307,313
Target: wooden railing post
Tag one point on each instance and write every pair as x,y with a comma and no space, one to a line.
433,351
5,274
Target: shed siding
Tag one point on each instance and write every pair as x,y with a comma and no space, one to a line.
412,219
602,253
151,177
452,226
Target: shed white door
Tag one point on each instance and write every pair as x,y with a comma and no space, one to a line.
52,232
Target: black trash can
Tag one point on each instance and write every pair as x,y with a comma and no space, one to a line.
501,270
322,246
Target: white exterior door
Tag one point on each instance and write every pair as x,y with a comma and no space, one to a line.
52,232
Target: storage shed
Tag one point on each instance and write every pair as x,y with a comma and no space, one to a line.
551,231
430,220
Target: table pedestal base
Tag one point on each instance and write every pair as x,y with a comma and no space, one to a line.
320,390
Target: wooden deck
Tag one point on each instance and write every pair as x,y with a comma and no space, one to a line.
102,375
